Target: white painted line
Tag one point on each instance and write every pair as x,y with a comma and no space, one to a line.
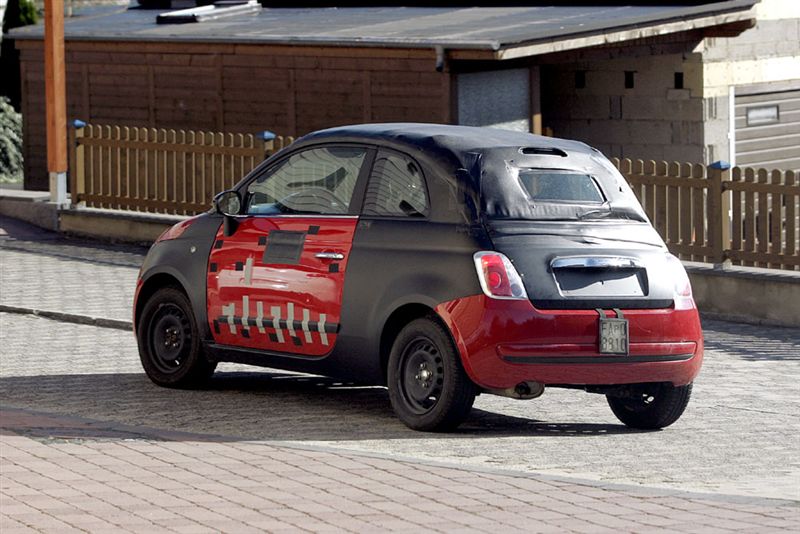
321,326
245,312
276,322
229,311
248,272
290,318
260,317
307,333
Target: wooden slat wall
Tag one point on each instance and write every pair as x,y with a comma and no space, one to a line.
674,197
158,170
765,218
689,206
232,88
748,216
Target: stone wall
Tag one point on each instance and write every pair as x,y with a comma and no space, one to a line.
768,54
655,119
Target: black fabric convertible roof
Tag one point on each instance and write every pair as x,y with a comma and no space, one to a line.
459,140
492,159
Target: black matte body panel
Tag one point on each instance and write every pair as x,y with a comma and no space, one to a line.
395,262
174,257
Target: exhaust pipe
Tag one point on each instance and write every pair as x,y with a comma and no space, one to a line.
522,391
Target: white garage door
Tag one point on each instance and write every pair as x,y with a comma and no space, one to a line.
768,128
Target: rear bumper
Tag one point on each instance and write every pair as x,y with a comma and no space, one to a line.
504,342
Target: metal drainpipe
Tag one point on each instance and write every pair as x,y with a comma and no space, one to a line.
732,125
439,57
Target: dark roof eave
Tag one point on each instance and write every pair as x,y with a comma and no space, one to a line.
586,37
490,45
681,20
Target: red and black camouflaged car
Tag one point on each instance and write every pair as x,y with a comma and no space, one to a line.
441,261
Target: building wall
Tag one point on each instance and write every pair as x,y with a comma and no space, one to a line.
767,55
232,88
653,119
657,120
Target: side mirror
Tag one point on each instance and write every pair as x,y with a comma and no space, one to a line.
228,203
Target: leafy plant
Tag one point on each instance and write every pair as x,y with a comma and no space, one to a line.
10,142
20,13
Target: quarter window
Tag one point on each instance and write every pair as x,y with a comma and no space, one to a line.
396,188
314,181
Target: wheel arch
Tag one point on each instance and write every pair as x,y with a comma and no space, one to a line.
153,283
397,320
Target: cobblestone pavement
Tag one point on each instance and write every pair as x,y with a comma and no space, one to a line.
88,443
39,270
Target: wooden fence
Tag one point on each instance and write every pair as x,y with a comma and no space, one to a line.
160,171
745,216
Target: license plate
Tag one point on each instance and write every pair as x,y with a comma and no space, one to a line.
613,336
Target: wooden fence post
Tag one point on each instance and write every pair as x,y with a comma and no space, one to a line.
77,178
718,211
268,139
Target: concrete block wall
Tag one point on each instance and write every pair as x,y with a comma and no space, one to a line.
656,120
767,53
652,120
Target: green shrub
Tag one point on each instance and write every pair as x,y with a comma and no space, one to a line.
20,13
10,143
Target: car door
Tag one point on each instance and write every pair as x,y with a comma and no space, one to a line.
276,282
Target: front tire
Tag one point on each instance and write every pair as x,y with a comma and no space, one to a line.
428,387
169,342
651,406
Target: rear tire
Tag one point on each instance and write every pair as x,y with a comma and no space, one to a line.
651,406
169,342
428,387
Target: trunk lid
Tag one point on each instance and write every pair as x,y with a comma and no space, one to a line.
587,265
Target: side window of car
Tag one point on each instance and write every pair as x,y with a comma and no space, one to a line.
396,188
314,181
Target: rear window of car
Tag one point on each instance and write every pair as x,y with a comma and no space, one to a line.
547,185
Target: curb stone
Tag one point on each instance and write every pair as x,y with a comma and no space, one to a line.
69,317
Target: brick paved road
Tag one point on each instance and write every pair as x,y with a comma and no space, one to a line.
40,271
90,443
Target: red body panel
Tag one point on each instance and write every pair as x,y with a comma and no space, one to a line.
487,330
290,308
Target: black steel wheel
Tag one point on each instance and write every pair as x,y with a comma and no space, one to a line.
169,341
650,406
428,386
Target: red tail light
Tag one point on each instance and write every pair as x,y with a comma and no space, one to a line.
683,288
498,277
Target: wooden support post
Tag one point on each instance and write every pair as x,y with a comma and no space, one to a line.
55,99
725,212
77,174
72,145
718,220
536,100
268,138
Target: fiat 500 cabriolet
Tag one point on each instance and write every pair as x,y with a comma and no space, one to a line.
440,261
